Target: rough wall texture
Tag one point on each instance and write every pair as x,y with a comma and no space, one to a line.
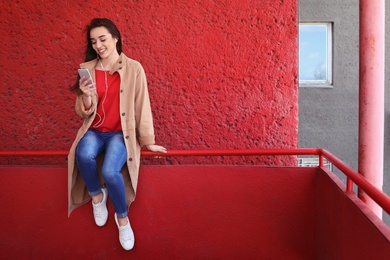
222,74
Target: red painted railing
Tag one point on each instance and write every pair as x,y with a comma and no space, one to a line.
353,176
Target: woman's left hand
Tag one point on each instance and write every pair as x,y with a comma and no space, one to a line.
156,148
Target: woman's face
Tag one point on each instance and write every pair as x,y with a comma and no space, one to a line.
103,42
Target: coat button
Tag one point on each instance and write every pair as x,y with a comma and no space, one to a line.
121,90
120,62
127,137
123,114
120,68
130,159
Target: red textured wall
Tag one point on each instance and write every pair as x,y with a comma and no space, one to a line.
222,74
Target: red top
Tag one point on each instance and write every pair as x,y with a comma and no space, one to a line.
107,117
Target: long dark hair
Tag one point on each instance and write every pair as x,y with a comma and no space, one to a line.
90,53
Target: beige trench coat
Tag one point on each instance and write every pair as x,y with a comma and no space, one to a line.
137,127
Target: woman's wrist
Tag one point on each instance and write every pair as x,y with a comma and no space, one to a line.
87,101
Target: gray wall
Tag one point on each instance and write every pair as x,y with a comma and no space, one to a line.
328,117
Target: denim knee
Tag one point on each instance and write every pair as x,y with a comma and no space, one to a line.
112,177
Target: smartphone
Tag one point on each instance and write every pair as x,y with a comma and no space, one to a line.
85,73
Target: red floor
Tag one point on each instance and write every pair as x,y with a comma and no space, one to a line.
194,212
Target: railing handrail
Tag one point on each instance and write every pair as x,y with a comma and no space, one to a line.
376,194
206,152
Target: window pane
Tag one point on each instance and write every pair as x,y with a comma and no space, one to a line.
314,65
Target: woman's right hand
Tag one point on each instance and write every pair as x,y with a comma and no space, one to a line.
86,86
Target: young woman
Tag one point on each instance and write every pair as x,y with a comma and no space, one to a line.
105,156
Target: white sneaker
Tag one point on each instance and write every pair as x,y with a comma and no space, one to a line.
100,212
126,235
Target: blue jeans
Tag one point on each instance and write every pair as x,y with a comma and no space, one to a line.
90,146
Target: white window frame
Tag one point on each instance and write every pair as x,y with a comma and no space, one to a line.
328,82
